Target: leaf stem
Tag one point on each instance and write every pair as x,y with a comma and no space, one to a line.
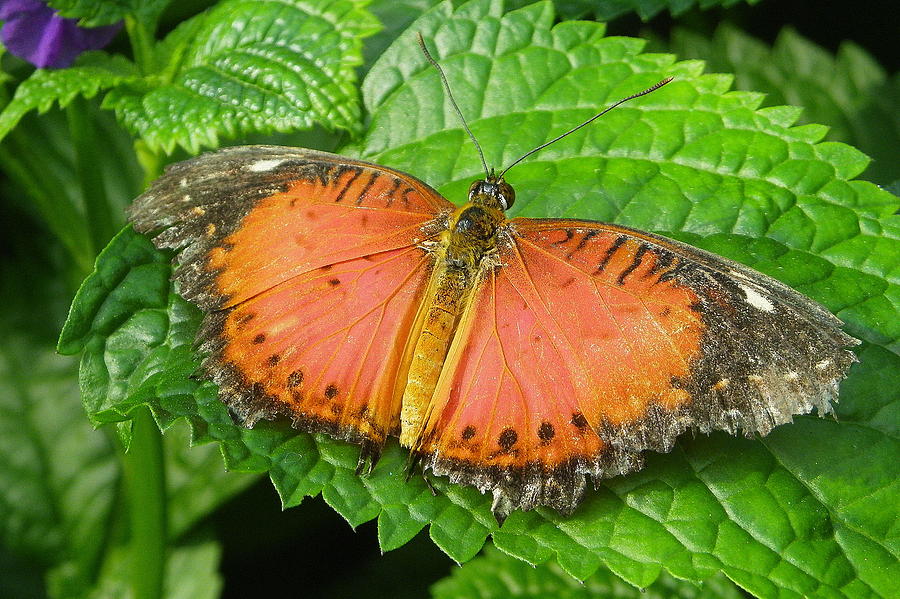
145,482
143,43
98,213
151,161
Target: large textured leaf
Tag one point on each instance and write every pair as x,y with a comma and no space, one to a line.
57,478
802,513
251,66
498,576
849,92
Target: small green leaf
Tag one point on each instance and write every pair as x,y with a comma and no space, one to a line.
849,92
251,66
44,88
496,575
95,13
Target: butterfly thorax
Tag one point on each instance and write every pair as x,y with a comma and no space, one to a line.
459,264
473,227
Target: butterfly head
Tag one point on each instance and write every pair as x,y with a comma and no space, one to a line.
492,192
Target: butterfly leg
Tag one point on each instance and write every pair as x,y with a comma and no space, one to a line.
368,457
412,461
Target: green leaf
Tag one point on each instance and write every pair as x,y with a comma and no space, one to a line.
40,177
496,575
850,92
44,88
58,476
250,66
57,479
95,13
800,514
645,9
191,573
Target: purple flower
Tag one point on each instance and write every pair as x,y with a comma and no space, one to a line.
33,31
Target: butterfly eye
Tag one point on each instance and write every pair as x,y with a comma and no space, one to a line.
475,189
507,194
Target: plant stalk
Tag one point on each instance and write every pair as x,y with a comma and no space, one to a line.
144,470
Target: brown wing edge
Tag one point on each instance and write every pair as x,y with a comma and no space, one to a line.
534,485
196,204
776,364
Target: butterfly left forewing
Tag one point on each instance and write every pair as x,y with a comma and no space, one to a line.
632,336
310,268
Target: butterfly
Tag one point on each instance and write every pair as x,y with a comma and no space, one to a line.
521,356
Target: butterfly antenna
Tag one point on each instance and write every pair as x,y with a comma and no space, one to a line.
586,123
453,101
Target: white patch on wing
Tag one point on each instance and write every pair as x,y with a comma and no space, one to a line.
261,166
756,299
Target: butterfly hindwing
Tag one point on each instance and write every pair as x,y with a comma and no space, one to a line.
310,270
589,343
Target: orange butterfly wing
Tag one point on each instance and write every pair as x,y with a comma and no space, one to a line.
310,269
588,343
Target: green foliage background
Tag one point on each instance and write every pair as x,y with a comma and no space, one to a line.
810,510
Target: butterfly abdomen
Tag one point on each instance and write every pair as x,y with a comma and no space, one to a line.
440,318
471,236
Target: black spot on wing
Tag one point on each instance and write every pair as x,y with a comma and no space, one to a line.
546,432
569,235
295,379
579,421
662,260
392,192
507,439
365,190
